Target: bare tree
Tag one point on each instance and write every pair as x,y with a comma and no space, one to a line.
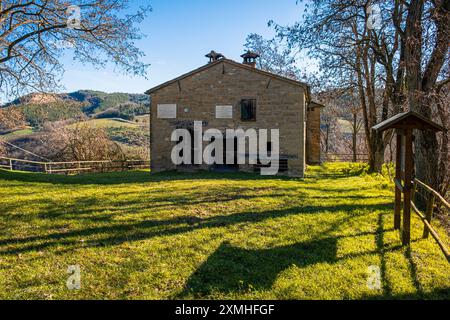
275,56
336,34
401,60
341,105
78,142
426,34
353,110
35,33
10,118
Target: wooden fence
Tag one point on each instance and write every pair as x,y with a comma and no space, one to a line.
345,157
72,167
430,197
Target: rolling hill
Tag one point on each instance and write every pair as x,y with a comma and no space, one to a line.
123,116
39,108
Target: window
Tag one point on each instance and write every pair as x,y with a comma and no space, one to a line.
248,109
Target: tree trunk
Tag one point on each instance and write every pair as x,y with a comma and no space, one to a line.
376,157
427,157
444,168
355,132
425,143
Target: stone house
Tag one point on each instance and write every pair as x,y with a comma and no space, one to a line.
225,94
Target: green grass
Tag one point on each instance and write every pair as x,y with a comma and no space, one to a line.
172,235
110,123
17,134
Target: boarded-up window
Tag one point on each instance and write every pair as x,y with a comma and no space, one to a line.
224,112
167,111
248,109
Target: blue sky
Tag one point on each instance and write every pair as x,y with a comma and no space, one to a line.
179,34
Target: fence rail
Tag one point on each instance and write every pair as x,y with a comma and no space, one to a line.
73,167
430,197
345,157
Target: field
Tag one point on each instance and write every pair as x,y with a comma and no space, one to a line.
111,123
127,133
172,235
17,134
96,123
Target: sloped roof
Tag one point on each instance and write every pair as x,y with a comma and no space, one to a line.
234,63
408,119
315,104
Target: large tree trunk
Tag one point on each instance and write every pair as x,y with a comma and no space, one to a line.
354,135
425,143
426,149
427,157
376,159
444,165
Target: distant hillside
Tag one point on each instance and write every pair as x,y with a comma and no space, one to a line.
36,98
98,101
37,114
39,108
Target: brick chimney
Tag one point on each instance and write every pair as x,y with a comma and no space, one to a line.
250,58
214,56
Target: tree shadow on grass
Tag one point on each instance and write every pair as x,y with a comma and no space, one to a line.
231,269
130,177
114,233
386,285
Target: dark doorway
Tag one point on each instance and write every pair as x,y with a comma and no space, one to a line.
228,167
187,165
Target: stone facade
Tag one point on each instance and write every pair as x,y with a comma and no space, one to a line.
280,104
313,133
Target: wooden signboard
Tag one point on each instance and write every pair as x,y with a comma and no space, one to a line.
404,124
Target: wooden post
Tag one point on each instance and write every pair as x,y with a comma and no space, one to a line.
428,214
10,165
413,192
406,232
398,192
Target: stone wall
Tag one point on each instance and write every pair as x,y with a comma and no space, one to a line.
280,105
313,135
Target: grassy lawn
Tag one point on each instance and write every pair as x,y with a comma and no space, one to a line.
170,236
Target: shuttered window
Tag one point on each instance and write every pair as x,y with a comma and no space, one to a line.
248,109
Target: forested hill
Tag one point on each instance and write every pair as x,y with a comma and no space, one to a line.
98,101
38,108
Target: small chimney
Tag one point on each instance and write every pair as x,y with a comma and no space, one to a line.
214,56
250,58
